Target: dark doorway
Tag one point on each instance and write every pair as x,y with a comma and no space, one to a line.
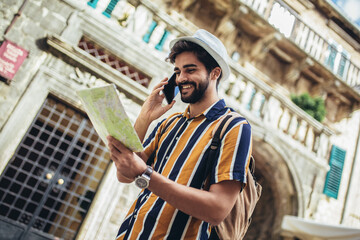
48,185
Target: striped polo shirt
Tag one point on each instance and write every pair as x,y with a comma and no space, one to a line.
181,154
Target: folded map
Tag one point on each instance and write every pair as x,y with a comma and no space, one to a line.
108,115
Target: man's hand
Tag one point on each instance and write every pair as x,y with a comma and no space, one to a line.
152,109
128,164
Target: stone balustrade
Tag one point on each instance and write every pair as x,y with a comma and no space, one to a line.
262,104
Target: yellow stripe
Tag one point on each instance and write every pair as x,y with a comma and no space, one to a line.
139,223
193,228
227,152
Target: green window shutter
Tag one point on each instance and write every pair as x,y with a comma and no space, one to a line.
330,61
333,177
344,62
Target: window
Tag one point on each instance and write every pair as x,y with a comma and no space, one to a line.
331,55
333,177
337,59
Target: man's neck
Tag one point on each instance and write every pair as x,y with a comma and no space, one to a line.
197,108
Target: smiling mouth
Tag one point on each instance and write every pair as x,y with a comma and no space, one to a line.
186,86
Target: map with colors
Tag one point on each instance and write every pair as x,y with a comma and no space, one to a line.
108,115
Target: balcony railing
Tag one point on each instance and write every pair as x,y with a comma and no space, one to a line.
262,104
242,91
326,52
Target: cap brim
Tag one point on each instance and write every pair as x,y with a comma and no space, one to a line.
223,65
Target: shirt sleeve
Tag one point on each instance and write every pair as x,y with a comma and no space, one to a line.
234,154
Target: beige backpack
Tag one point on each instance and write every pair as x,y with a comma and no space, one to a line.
236,224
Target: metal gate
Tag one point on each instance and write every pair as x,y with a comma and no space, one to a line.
49,183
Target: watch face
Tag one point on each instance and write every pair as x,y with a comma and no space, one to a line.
141,182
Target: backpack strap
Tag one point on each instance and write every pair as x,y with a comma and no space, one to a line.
167,123
252,168
222,126
215,143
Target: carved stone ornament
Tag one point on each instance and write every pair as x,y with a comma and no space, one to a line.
85,78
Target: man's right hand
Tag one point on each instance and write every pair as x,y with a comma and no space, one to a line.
152,109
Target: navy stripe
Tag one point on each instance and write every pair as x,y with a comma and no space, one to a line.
242,153
130,221
217,110
153,134
130,226
204,231
164,148
151,218
178,226
124,226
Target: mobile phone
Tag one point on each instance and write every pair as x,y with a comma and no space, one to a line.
170,90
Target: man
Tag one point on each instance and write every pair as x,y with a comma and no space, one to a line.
173,204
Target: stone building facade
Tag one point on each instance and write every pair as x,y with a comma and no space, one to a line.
56,176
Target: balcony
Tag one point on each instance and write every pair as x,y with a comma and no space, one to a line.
266,108
328,53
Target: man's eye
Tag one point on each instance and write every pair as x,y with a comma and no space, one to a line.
191,70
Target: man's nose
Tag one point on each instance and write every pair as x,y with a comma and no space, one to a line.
181,77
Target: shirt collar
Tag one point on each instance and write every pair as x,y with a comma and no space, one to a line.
212,112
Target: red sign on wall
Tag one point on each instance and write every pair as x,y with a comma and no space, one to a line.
11,58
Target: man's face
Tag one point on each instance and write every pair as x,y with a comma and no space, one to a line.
191,77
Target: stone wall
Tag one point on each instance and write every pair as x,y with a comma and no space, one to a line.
37,20
345,209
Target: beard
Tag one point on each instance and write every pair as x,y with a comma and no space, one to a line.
198,92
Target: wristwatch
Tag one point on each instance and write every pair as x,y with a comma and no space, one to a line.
143,180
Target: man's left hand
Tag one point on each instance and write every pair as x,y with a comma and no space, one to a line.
128,164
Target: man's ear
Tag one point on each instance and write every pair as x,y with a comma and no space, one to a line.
215,73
